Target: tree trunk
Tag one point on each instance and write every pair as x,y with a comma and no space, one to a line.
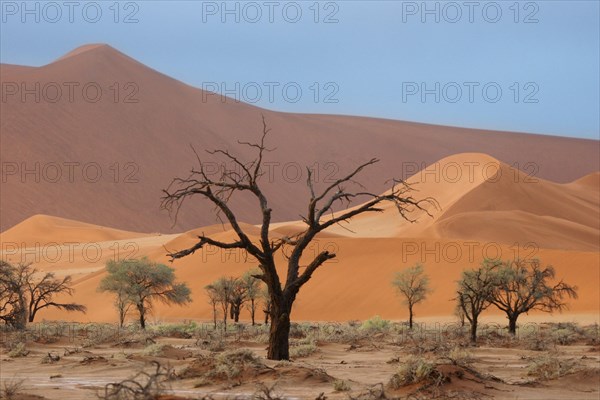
215,316
122,313
225,311
235,312
512,324
279,346
410,317
474,330
252,310
20,320
142,312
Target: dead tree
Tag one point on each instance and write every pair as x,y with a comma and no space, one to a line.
22,296
319,216
474,293
42,292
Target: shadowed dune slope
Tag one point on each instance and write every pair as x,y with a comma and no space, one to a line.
104,160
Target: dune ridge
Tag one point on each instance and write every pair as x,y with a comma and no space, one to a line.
44,229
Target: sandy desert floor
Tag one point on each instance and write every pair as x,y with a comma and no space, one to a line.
329,360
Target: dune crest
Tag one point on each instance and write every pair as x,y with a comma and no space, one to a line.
45,229
84,48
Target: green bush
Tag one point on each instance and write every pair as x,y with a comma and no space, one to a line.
232,363
375,324
303,350
184,330
414,370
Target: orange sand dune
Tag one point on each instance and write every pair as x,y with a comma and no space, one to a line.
105,161
44,229
356,285
480,198
591,180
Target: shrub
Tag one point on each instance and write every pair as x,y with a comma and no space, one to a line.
155,349
548,366
232,363
536,343
565,333
414,370
340,385
50,358
303,350
216,345
18,350
563,336
459,356
11,389
98,335
592,334
375,324
183,331
264,392
341,333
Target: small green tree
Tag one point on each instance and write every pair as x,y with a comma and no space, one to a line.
413,285
213,300
238,298
141,281
123,301
253,291
523,285
223,291
474,291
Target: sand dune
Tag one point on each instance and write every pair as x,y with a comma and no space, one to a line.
482,199
44,229
591,181
527,219
104,161
357,285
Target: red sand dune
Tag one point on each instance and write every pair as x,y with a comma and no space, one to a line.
138,147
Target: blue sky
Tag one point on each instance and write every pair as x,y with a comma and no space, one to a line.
529,66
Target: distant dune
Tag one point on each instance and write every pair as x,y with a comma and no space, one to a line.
554,222
46,229
104,159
